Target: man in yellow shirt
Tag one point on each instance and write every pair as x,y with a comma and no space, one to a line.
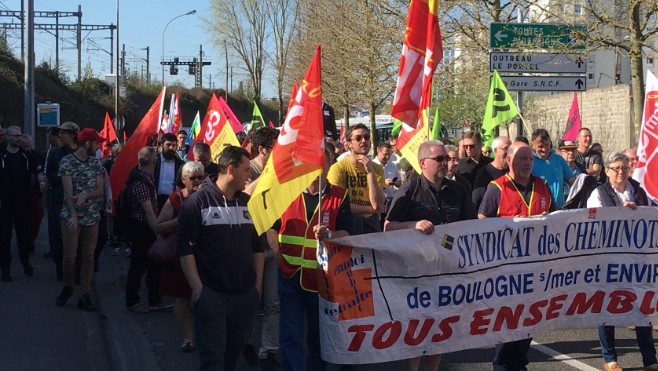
363,180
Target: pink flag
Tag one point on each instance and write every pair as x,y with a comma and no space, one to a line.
270,124
573,122
646,170
232,119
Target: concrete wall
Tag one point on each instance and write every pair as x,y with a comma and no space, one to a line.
606,111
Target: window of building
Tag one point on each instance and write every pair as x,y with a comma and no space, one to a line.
650,62
577,9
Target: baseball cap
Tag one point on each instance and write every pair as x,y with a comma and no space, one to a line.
88,134
70,126
567,144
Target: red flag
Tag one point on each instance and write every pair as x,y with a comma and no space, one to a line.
646,170
573,122
109,134
127,158
125,136
232,119
342,132
175,119
295,87
421,53
270,124
164,125
298,154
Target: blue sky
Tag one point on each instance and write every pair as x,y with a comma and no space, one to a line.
141,24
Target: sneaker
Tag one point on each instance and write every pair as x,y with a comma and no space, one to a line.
116,251
64,296
187,347
128,253
85,303
249,354
137,308
270,363
161,305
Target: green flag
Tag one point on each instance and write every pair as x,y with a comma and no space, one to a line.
500,105
436,126
397,125
257,118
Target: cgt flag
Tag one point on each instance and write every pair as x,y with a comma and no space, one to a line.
232,118
127,159
216,131
646,170
421,53
500,106
573,122
298,154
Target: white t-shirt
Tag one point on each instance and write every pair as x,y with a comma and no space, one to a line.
390,171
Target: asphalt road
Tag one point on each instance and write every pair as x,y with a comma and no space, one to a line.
37,335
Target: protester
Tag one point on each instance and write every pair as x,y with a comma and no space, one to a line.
567,150
172,279
263,142
141,232
550,166
68,132
16,170
521,138
631,153
587,158
221,255
453,162
516,194
363,180
294,237
620,190
166,168
182,147
36,201
392,177
395,156
474,160
493,170
203,154
428,201
82,181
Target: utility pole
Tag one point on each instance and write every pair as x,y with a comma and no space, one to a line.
123,60
117,84
79,42
57,42
200,67
226,54
148,63
28,90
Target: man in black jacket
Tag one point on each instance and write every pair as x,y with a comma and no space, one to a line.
166,168
222,257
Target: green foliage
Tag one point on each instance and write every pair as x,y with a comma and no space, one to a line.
52,73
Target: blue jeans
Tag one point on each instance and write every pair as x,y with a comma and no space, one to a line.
295,302
644,342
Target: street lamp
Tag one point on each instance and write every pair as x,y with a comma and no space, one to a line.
191,12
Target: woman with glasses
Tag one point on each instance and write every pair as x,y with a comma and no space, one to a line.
620,190
172,281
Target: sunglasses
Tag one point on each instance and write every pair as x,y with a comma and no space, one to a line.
468,145
196,178
359,138
439,158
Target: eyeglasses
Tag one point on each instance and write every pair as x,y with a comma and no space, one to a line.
453,159
439,158
468,145
359,138
503,148
619,168
196,178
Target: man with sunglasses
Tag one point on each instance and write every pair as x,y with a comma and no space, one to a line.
427,200
362,178
471,164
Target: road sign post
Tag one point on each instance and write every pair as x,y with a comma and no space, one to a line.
537,36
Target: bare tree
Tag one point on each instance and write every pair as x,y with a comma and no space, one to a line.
242,25
283,16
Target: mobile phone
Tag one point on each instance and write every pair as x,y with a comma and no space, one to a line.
395,179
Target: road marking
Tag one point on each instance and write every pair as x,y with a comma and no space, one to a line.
563,358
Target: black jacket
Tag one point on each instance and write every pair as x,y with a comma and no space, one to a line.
178,163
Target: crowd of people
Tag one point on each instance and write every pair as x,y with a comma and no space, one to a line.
226,273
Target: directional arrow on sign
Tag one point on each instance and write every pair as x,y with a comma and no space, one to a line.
500,35
579,84
579,62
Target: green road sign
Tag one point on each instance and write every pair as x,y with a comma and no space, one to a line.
537,36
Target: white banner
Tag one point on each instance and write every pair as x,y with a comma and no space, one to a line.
402,294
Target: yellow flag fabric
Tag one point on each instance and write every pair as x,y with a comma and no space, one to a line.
500,105
416,137
297,158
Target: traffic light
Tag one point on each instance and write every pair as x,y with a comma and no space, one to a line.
173,70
